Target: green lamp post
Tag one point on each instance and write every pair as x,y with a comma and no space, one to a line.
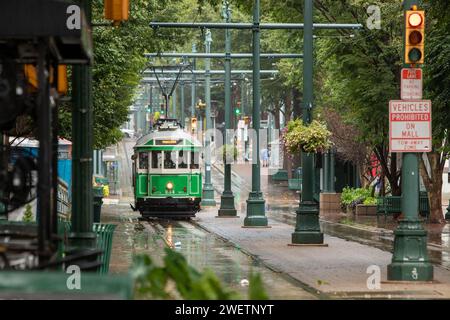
307,227
256,216
208,190
227,208
82,236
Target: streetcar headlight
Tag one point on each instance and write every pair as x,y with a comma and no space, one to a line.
169,185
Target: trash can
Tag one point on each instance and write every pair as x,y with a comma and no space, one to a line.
98,201
104,232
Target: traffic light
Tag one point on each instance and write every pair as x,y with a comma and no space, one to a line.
238,109
116,10
193,123
415,36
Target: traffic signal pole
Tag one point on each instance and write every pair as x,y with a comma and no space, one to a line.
227,207
208,190
410,260
193,93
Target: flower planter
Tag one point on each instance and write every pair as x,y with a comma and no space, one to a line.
366,210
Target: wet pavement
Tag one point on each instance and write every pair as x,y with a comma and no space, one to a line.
201,249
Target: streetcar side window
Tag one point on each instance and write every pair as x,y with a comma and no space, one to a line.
195,160
156,159
143,160
183,159
170,159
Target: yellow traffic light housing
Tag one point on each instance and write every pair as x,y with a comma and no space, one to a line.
415,37
116,10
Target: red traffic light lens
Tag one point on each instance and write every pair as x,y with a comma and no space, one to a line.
415,38
415,20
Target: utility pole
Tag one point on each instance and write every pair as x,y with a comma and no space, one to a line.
183,112
82,236
208,190
307,227
227,208
410,260
256,216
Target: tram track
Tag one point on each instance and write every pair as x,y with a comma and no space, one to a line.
232,265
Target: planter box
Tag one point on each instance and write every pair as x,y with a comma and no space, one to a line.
366,210
330,202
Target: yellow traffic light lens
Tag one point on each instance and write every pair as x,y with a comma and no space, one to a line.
415,20
415,55
415,38
169,185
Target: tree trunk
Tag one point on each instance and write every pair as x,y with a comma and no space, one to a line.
432,179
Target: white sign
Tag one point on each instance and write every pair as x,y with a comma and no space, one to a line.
410,126
411,84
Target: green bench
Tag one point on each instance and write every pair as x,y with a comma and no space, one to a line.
393,204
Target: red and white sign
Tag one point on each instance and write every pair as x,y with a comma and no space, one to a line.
411,84
410,126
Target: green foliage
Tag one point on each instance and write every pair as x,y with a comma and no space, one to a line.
28,215
351,197
176,279
307,138
227,151
370,201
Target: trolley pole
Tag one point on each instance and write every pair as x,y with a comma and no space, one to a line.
227,208
256,216
208,190
307,227
82,235
410,260
174,104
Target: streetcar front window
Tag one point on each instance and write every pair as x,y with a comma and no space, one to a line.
156,159
170,159
143,160
182,160
195,160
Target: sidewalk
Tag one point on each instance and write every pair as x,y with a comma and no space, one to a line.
338,271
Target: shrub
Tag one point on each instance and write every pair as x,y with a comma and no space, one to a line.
351,197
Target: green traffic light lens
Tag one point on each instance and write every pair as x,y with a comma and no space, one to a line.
415,55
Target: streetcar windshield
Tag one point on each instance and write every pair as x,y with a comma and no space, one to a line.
156,159
170,159
183,159
143,160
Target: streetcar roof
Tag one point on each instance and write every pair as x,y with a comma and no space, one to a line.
167,135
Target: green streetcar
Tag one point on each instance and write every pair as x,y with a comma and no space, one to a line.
167,179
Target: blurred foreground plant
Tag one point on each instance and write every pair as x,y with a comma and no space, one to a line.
177,279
